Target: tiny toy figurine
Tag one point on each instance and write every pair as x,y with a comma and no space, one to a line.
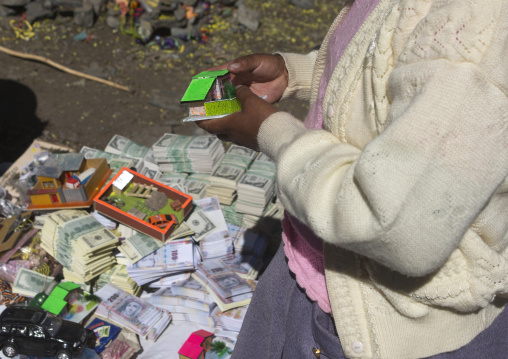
196,346
35,332
210,95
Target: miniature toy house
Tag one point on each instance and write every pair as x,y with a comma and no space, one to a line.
63,294
132,199
210,95
68,181
196,346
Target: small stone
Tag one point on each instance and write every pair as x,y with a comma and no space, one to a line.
6,11
179,13
248,18
84,16
14,2
95,70
113,22
36,10
97,5
145,30
190,2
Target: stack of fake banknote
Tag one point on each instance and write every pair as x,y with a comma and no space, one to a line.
197,184
210,228
231,320
227,288
184,307
246,266
180,255
128,311
193,289
247,241
118,276
80,243
256,187
172,179
232,167
187,154
127,148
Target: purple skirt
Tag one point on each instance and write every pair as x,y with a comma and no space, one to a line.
283,323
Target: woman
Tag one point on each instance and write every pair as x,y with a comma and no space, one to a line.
396,227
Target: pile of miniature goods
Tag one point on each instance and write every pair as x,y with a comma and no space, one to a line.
113,242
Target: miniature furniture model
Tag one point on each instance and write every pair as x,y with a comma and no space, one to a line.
196,346
58,184
210,95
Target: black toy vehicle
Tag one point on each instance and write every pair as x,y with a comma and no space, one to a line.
33,331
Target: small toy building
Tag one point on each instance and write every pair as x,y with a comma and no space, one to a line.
196,346
60,297
133,199
69,181
210,95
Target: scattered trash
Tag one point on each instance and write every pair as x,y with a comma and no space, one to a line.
82,36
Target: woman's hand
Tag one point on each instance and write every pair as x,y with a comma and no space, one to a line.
261,79
265,74
241,127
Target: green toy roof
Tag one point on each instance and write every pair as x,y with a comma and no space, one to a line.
200,85
68,286
214,74
56,300
54,306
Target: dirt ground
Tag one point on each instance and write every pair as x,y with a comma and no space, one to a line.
39,101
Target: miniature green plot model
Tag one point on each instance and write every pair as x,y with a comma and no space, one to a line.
210,94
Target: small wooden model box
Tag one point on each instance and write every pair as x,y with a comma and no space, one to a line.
134,200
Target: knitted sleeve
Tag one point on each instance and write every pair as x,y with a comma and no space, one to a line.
300,69
407,198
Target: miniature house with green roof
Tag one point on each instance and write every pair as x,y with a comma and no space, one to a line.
210,95
63,294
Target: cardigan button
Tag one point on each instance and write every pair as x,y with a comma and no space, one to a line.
330,111
357,347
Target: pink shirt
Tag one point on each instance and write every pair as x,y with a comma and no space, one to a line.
303,248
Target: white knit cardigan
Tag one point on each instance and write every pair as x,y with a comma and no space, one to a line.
407,183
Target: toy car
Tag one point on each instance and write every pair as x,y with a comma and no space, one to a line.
35,332
162,220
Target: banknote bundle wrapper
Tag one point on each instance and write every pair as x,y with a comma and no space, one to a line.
80,243
188,154
232,167
132,313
